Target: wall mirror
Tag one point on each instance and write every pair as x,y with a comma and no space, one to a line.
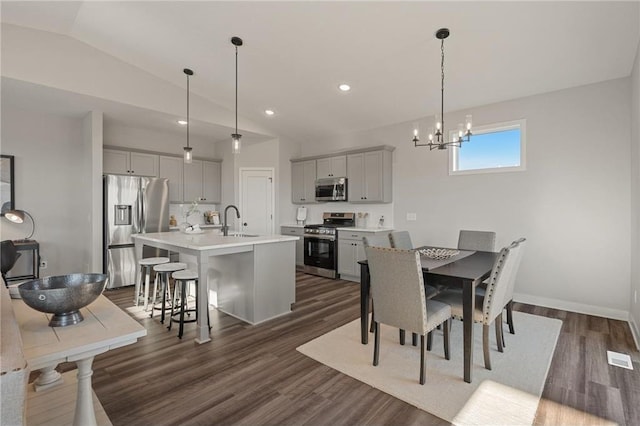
7,197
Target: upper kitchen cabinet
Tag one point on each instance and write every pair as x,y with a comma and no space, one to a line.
303,182
202,181
211,181
171,168
369,176
331,167
120,162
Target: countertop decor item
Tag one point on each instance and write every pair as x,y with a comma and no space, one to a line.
63,295
439,139
188,151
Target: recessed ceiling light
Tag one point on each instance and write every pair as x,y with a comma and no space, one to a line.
269,112
344,87
182,122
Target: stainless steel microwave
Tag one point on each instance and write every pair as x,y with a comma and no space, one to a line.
331,189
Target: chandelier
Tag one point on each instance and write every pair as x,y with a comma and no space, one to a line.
437,139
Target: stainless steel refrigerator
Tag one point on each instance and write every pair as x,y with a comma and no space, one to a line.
132,205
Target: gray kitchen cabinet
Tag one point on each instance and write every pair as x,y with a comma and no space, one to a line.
331,167
202,181
133,163
303,182
351,251
211,181
171,168
298,231
369,177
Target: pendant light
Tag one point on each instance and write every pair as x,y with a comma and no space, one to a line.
437,139
235,137
188,154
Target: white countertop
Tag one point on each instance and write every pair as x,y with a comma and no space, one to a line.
351,228
210,240
292,225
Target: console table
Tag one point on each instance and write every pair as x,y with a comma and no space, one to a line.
105,327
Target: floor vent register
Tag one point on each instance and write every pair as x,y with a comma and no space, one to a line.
619,360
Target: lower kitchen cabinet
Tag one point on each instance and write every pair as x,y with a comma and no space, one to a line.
299,232
351,251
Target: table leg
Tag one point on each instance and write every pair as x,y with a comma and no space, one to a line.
202,327
85,414
364,303
468,307
48,378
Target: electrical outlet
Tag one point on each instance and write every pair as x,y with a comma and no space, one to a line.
43,264
412,216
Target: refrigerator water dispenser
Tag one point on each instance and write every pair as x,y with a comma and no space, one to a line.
122,214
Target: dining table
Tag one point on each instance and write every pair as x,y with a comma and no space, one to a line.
467,269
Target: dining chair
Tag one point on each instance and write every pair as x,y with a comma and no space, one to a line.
376,241
489,307
398,293
401,240
477,240
521,242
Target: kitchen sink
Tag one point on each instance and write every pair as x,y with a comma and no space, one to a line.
242,234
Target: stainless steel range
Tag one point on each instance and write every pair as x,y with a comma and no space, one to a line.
321,245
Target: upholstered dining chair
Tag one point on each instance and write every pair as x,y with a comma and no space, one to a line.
398,293
376,241
489,306
9,255
401,240
477,240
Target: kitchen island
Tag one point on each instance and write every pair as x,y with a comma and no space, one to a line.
249,277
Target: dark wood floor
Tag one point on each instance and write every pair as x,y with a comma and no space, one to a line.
253,375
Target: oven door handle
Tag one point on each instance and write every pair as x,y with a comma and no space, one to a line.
320,237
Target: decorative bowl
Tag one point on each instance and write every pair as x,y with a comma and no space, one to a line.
63,295
439,253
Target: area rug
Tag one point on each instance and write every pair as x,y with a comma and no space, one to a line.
507,394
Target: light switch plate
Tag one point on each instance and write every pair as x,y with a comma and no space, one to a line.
411,216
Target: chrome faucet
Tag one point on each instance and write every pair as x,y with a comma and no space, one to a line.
225,227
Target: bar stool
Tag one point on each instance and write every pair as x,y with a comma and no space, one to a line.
181,278
163,273
146,267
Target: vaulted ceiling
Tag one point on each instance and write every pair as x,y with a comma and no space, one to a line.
296,53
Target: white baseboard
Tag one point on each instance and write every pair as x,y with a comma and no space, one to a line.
635,331
573,307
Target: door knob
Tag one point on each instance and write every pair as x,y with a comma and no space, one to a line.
244,224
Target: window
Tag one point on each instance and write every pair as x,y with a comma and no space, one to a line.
492,148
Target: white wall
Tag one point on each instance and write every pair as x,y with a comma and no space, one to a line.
634,305
52,183
55,60
572,202
158,141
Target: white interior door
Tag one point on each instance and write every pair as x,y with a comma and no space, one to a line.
256,201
